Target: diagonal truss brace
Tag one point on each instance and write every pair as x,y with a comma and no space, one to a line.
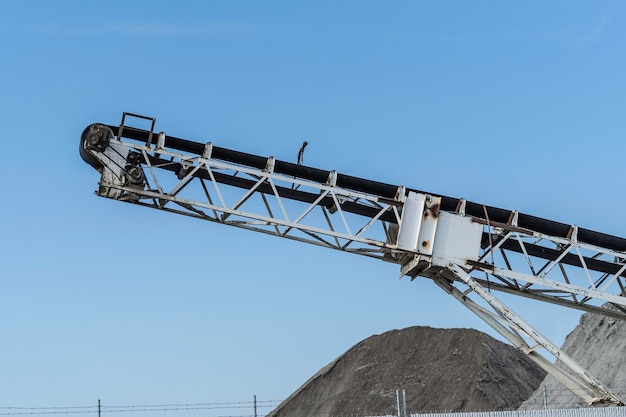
559,270
205,183
518,332
341,233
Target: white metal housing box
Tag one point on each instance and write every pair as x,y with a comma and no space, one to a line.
411,222
457,239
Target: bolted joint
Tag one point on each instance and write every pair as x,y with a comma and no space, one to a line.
269,165
208,150
331,181
161,140
400,194
572,235
460,207
185,168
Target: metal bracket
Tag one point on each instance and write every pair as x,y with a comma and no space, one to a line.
511,326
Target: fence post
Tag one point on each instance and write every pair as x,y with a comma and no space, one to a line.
99,408
398,402
404,402
255,406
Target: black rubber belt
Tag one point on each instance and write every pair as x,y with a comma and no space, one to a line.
499,215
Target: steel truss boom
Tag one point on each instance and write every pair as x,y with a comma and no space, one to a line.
464,247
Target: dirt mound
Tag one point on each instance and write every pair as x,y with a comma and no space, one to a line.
598,344
439,369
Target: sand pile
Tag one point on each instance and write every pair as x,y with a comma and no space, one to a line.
598,344
441,370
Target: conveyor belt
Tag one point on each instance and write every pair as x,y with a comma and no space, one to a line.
495,214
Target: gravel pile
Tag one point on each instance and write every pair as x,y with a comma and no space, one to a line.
440,370
598,344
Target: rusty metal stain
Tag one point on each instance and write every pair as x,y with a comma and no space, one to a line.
435,209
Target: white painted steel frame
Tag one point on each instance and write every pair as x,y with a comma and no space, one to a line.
530,341
500,267
573,283
342,231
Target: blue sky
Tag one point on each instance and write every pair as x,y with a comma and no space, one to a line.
515,105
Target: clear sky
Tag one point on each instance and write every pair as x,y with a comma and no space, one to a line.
519,105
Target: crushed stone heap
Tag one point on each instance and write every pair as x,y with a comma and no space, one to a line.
598,344
441,370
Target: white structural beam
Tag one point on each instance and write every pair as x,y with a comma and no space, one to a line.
529,340
401,226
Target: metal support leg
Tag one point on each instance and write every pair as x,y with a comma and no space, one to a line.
511,326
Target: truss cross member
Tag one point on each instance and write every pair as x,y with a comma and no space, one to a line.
517,331
526,256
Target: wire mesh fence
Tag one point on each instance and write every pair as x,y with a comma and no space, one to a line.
569,412
551,402
251,408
